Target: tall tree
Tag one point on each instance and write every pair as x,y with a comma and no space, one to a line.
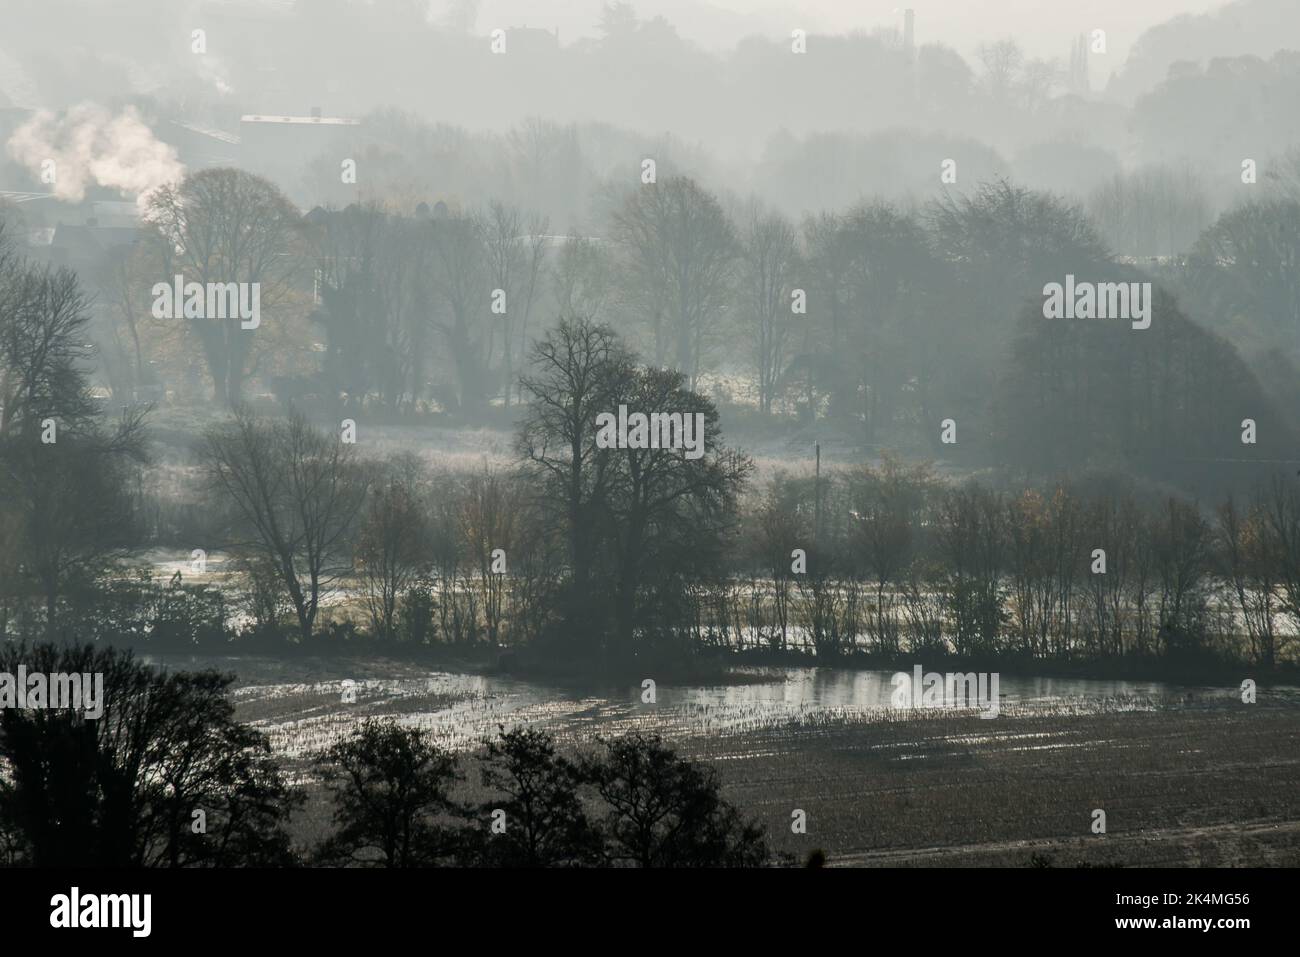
222,226
64,474
681,248
576,373
459,268
769,259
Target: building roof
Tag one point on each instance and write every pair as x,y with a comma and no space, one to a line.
89,239
304,120
18,196
219,135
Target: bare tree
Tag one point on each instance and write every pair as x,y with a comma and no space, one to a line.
514,261
460,275
43,319
224,226
489,518
392,548
888,510
373,293
1281,511
297,491
971,539
769,257
681,246
1002,61
583,279
64,500
1249,563
1181,543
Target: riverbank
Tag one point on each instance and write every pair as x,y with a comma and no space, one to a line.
716,665
1208,671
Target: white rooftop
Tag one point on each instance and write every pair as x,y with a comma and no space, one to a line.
307,120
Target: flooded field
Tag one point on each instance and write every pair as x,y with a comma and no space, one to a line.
1187,775
306,705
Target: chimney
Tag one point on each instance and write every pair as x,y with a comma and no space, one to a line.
315,112
909,24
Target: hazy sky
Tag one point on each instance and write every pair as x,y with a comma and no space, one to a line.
1043,27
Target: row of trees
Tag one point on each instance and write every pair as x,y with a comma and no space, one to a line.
166,777
879,320
65,474
391,287
603,553
599,539
634,803
895,560
598,554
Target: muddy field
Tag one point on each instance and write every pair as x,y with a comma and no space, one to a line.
1201,787
1186,776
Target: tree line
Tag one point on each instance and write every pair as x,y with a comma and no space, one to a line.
593,557
604,553
875,322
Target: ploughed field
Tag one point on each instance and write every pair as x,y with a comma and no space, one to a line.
1186,776
1197,786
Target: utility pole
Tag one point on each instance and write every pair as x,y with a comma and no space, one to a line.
817,494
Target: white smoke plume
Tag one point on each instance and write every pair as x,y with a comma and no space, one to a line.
89,145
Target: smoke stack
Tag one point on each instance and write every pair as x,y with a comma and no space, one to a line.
909,24
315,112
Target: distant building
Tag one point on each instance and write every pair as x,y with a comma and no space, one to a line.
81,246
74,234
276,146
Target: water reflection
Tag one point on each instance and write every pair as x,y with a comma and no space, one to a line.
299,704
